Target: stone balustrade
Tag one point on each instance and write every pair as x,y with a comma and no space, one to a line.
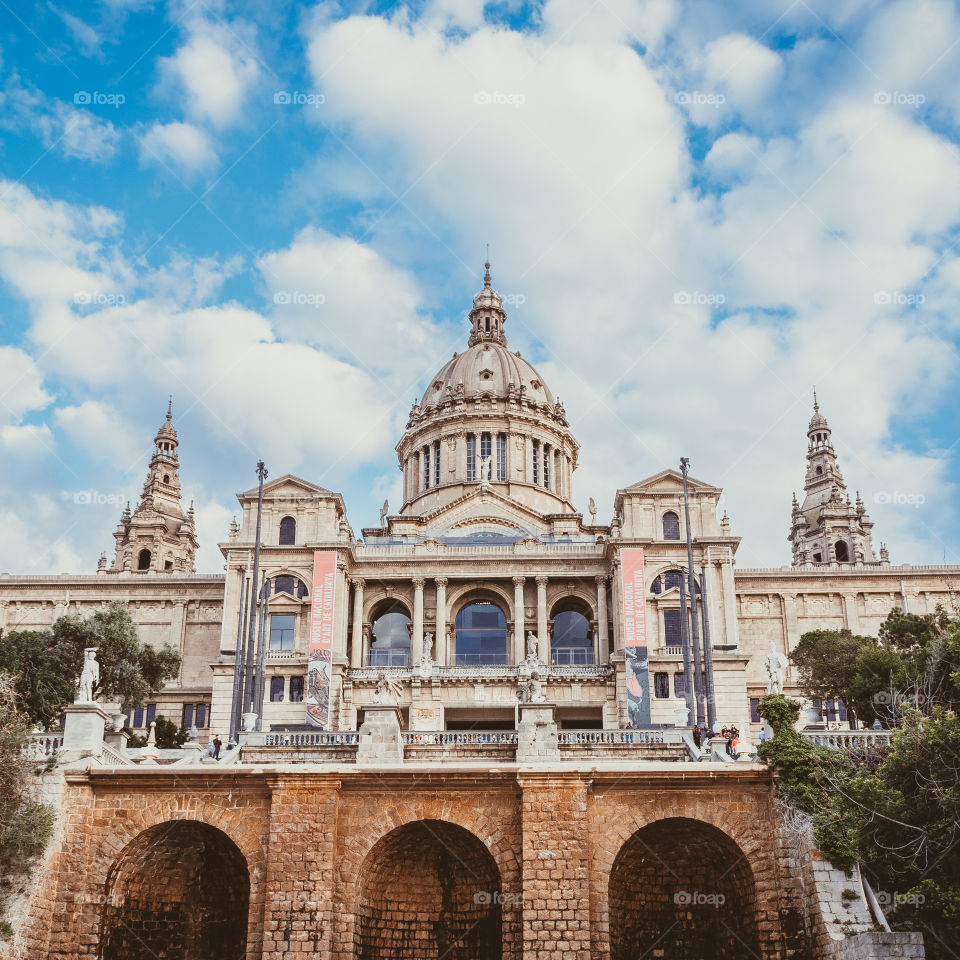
850,741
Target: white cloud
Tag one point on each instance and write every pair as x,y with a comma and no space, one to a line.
104,433
743,68
21,384
181,145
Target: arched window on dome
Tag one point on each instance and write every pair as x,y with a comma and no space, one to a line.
426,468
481,635
536,462
502,457
288,532
546,466
842,551
436,463
471,457
143,560
671,526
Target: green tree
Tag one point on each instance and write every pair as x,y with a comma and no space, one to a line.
25,824
46,664
168,735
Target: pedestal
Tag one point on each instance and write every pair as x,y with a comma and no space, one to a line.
83,727
379,735
537,733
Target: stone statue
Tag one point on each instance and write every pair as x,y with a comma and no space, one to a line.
593,512
428,646
776,665
535,688
485,470
383,514
89,676
387,690
533,645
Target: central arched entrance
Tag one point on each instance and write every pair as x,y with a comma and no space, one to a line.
178,891
429,890
681,889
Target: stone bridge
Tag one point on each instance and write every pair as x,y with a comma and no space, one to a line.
460,861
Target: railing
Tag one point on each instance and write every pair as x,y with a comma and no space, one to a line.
321,738
486,671
850,741
522,546
43,745
283,655
572,656
673,651
447,738
110,756
389,658
578,737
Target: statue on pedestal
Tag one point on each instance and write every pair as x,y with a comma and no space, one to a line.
387,690
89,676
533,646
776,665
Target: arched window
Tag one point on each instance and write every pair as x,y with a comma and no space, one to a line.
288,532
819,471
286,583
671,526
481,635
669,581
143,560
842,551
166,478
390,643
572,640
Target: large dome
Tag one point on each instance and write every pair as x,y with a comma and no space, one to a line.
487,368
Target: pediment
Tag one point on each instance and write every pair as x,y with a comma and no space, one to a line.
670,481
483,511
286,486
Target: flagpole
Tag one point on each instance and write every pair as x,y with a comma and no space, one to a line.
248,691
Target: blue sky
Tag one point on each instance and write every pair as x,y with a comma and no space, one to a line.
278,213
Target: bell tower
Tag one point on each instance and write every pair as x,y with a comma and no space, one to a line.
158,537
827,527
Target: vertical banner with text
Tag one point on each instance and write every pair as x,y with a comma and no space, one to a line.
320,657
635,637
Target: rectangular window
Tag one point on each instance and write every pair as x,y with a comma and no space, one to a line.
842,710
426,468
556,469
281,631
137,718
471,457
276,689
546,466
200,717
671,628
151,713
296,689
436,464
187,716
755,710
661,686
679,685
502,457
485,447
536,461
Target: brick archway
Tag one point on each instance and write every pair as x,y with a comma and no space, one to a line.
429,889
684,888
180,890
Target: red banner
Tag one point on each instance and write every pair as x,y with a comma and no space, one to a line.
320,657
637,664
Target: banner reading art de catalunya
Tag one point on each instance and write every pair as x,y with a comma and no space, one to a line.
320,657
635,636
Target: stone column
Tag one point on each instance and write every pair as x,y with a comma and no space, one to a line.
476,457
556,866
299,910
416,637
544,648
342,593
461,456
603,641
617,606
519,620
356,653
440,638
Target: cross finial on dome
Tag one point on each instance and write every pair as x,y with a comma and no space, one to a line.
816,406
486,276
170,408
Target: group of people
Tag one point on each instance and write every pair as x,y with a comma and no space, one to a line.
730,734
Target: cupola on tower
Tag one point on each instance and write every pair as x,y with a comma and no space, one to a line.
487,419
